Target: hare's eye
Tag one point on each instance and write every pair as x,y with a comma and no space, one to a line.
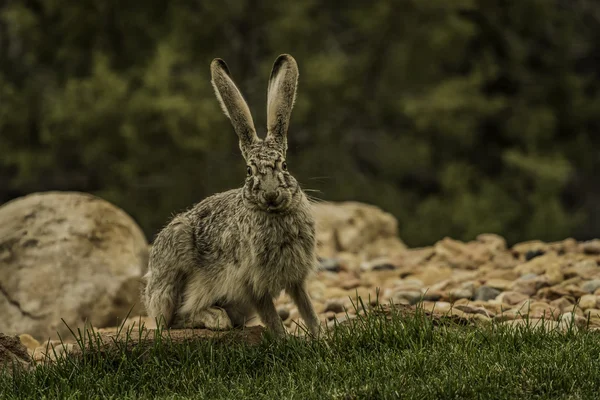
249,170
284,166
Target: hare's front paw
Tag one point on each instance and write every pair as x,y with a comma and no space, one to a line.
213,318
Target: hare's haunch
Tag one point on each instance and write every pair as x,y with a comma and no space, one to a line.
227,257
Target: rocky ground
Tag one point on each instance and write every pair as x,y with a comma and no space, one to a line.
360,254
482,280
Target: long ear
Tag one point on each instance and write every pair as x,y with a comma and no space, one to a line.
281,95
233,104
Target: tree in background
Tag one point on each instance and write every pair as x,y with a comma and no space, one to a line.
458,117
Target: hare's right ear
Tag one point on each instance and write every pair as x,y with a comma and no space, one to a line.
233,104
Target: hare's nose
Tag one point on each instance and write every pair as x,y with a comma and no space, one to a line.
271,197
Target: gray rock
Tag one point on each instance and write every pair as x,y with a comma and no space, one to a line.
486,293
457,294
591,246
71,256
411,296
330,264
528,277
334,306
591,286
355,228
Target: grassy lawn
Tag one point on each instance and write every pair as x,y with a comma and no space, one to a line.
373,357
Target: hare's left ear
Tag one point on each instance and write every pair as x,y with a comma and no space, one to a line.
281,95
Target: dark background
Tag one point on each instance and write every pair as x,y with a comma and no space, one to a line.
459,117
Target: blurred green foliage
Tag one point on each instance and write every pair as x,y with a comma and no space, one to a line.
459,117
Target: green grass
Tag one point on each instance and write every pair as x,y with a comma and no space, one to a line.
370,358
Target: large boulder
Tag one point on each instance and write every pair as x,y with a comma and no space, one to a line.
356,228
70,256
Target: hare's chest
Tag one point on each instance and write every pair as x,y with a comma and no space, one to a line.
282,255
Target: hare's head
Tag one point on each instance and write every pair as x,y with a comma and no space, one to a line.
269,186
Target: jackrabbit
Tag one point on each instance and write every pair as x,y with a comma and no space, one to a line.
227,257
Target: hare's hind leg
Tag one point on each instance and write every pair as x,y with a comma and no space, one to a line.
171,260
160,296
199,308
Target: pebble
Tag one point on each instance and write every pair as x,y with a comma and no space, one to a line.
486,293
29,341
591,286
512,298
330,264
531,254
457,294
411,296
334,306
591,247
563,304
588,301
350,284
432,295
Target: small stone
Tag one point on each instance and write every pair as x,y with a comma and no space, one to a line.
284,313
592,313
330,264
334,306
486,293
563,304
335,292
442,307
500,284
348,261
384,267
506,274
409,284
457,294
495,243
378,264
588,301
530,286
413,297
531,254
537,265
586,269
350,284
432,295
527,277
554,274
505,260
539,309
430,274
591,247
530,246
591,286
473,310
571,319
512,298
29,341
414,257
